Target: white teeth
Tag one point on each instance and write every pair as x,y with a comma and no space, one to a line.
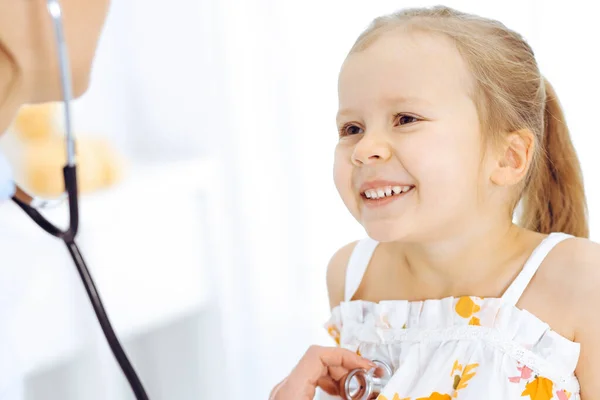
385,191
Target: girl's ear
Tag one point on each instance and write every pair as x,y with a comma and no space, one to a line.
514,158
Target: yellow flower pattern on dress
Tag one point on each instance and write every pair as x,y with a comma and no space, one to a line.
467,308
461,377
455,368
539,389
436,396
334,333
460,381
396,397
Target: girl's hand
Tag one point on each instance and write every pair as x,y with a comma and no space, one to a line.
323,367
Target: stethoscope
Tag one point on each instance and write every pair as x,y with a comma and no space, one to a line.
31,205
361,384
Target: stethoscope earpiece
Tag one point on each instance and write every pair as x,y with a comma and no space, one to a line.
361,384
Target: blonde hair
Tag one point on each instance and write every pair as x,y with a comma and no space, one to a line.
510,94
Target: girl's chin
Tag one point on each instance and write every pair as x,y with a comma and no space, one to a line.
386,231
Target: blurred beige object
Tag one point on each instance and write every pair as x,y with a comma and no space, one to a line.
36,121
98,166
42,154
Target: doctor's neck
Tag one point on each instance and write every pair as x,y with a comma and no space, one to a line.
12,95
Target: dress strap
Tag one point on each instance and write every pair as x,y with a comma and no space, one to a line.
517,288
357,265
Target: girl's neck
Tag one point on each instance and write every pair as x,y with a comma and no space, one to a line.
470,258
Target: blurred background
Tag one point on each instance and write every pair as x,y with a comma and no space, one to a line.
210,248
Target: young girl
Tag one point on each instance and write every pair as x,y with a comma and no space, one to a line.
445,125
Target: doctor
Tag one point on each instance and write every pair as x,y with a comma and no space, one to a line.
30,73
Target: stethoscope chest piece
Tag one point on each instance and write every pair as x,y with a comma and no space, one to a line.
361,384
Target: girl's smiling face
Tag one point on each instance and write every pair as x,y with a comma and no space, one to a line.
409,127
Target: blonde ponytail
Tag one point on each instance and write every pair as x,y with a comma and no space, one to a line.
554,200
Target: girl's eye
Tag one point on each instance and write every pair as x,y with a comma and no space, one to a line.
352,129
349,130
404,119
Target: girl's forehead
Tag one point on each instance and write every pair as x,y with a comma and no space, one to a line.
415,65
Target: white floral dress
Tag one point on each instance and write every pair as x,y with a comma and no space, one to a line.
466,348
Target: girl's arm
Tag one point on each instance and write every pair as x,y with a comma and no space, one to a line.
587,309
588,368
